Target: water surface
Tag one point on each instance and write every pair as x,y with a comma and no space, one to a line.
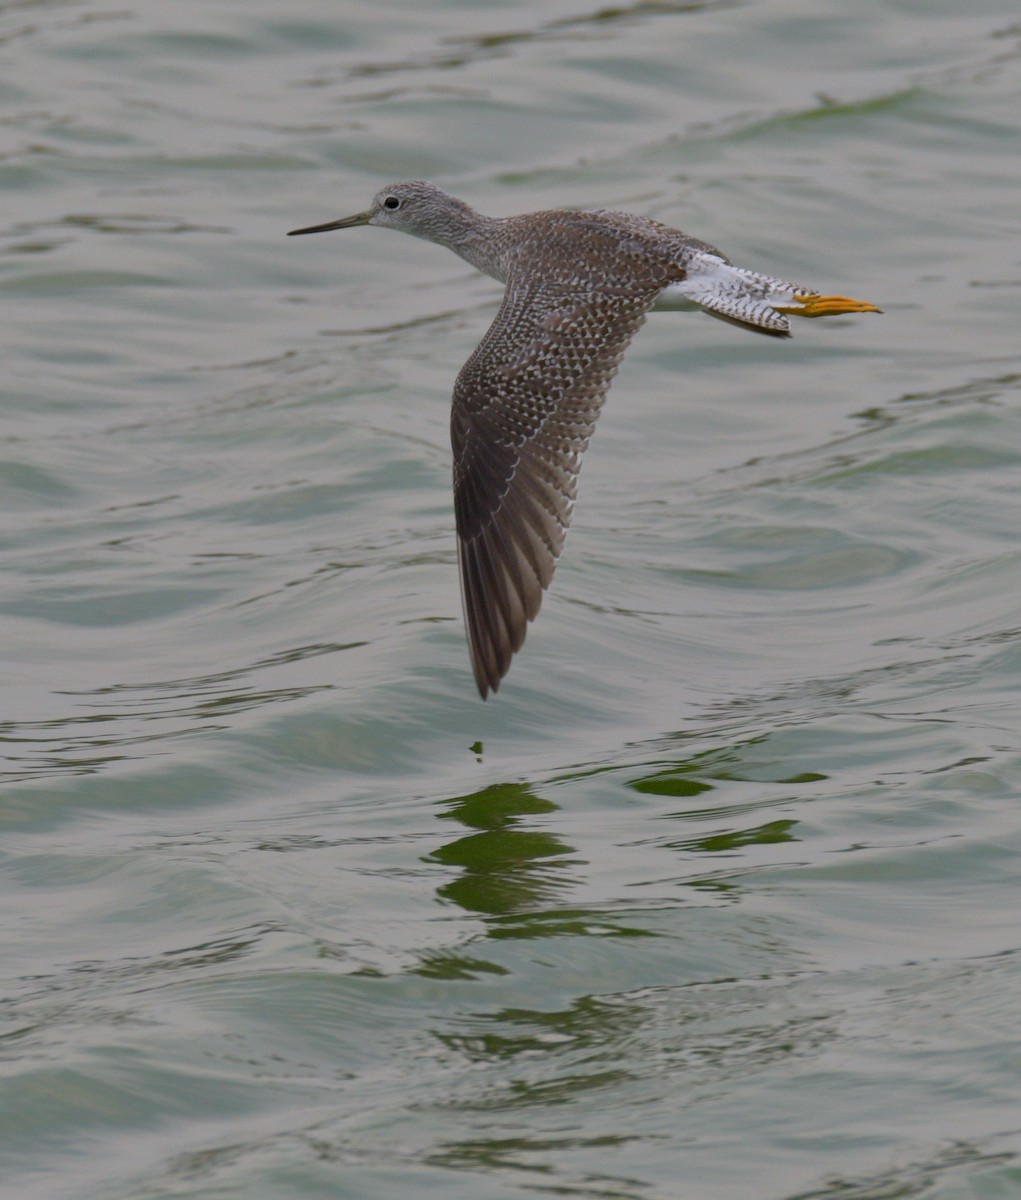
718,897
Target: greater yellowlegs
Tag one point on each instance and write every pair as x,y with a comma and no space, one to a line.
578,286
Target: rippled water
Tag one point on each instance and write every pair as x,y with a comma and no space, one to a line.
718,898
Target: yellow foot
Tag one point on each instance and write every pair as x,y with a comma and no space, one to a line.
812,305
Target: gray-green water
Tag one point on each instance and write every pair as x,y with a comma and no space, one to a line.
725,904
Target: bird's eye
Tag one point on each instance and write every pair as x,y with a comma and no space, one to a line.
392,203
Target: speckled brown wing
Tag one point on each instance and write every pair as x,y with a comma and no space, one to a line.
524,408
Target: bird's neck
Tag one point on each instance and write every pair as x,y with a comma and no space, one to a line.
478,240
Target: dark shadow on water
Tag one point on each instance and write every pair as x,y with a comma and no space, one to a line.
507,873
922,1178
506,867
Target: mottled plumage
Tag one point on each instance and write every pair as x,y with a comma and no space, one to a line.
578,286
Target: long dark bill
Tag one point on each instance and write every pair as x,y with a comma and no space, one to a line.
343,223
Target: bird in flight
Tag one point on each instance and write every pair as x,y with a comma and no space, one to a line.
577,287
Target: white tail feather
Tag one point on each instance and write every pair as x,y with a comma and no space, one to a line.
734,294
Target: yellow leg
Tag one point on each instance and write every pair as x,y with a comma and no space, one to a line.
813,305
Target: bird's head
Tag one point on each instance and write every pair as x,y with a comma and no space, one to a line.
414,207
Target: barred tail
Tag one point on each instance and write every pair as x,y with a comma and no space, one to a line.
753,301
